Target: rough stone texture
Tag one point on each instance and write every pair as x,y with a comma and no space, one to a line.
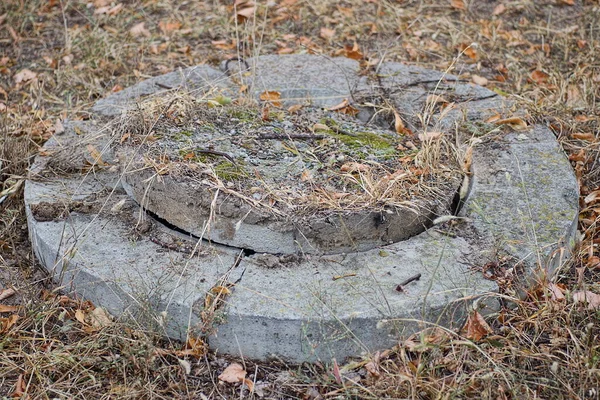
87,232
200,79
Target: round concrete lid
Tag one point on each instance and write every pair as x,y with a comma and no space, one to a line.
297,173
96,241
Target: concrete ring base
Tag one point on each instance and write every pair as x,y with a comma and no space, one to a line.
96,241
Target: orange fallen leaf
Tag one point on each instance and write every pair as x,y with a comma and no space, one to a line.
6,293
167,27
7,323
516,123
458,4
272,97
539,77
435,99
345,108
4,308
233,373
475,327
399,126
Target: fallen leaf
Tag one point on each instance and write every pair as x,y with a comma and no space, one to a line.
4,308
399,125
458,4
168,27
24,76
115,10
354,167
475,327
585,296
345,108
499,9
20,387
295,108
516,123
195,347
96,155
7,323
557,293
99,318
80,316
592,197
272,97
539,77
139,30
233,373
6,293
244,9
373,369
479,80
327,33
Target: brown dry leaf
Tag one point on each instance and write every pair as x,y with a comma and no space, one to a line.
587,136
7,323
516,123
592,197
476,328
373,369
101,3
585,296
479,80
195,347
271,97
168,27
557,292
80,316
233,373
468,160
224,44
20,388
499,9
99,318
399,125
24,76
574,97
351,52
295,108
244,9
4,308
539,77
249,384
458,4
567,2
139,30
327,33
6,293
345,108
354,167
429,136
96,156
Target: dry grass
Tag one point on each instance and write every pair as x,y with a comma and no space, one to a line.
543,348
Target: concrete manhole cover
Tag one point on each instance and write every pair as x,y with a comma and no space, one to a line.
283,223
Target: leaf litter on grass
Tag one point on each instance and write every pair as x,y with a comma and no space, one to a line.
59,57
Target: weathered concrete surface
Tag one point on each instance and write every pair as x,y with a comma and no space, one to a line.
87,232
200,79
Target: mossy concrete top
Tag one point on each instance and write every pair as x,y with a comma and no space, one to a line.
96,241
